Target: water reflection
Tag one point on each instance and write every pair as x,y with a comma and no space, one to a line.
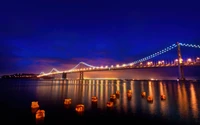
151,105
194,104
163,104
143,100
124,97
181,98
133,99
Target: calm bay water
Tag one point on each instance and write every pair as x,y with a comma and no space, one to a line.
182,105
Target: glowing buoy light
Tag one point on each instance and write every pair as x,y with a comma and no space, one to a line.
94,99
80,108
143,94
40,114
117,92
113,96
109,104
163,97
35,104
68,101
129,95
129,91
150,99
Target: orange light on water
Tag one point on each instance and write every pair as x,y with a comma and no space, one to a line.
80,108
35,104
143,94
67,101
109,104
94,99
40,114
150,99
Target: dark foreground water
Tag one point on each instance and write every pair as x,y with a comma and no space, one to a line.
182,105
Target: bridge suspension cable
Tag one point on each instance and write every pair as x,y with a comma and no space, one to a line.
80,64
155,54
54,69
87,64
42,73
190,45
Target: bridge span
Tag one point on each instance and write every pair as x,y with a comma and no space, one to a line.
139,64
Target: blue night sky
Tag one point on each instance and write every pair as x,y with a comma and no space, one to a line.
42,34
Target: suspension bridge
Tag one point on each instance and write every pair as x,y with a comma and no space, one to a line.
138,64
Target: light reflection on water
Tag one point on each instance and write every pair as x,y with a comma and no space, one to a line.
176,93
193,100
182,101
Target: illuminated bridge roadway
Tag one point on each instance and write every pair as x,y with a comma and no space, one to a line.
139,64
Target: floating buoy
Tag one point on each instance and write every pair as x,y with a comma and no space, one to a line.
80,108
163,97
40,114
129,91
109,104
129,95
94,99
150,99
117,93
113,97
68,101
143,94
35,104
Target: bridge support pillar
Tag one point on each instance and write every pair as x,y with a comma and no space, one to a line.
81,76
53,76
64,75
180,63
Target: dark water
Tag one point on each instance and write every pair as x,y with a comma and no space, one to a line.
182,105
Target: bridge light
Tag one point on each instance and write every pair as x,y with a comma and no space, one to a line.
189,60
131,64
106,66
176,60
181,61
198,59
124,65
112,66
101,67
117,65
149,63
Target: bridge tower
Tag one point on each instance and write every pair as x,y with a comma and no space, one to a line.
81,77
180,63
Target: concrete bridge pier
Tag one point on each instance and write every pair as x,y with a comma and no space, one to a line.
81,77
64,75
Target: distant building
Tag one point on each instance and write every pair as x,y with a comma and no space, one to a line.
19,76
